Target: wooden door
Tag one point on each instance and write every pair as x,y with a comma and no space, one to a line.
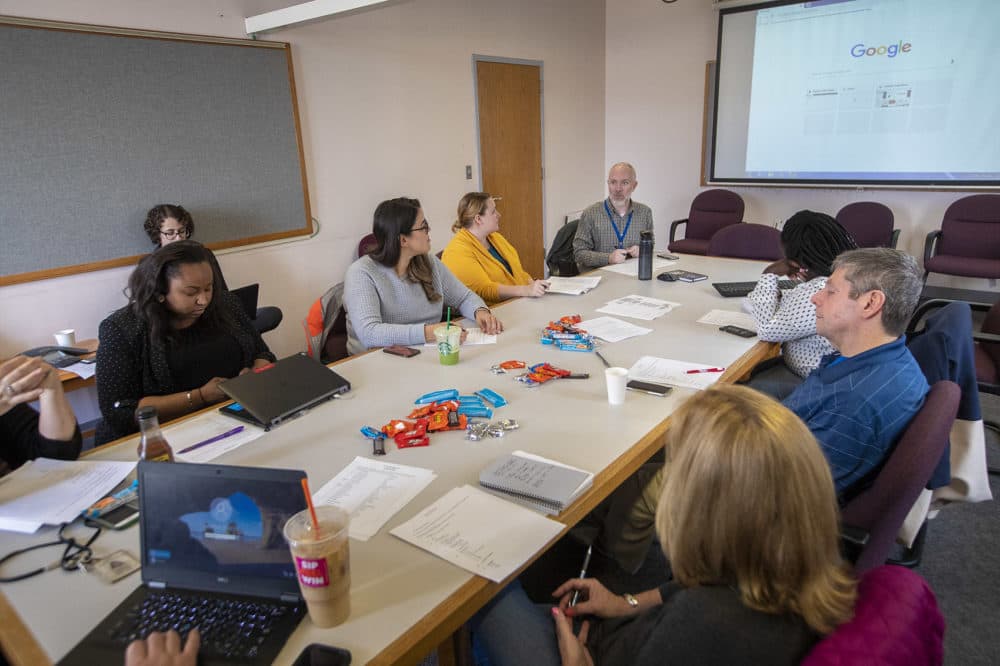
510,147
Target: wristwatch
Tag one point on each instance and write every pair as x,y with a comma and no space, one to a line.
631,600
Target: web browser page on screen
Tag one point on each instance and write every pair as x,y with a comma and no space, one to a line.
867,90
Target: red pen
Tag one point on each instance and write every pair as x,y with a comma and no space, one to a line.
695,372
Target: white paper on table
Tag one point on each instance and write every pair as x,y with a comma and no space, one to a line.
475,336
631,266
50,492
191,432
610,329
638,307
729,318
82,370
674,373
574,286
372,492
479,532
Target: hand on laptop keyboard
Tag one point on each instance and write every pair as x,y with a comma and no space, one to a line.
164,650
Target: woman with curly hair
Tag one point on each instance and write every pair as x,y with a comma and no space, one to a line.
173,343
748,520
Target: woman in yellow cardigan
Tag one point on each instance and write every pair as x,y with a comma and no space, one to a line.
483,259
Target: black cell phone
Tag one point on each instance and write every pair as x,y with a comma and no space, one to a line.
400,350
667,256
646,387
323,655
738,330
119,518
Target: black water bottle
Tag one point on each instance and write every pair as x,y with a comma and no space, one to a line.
646,255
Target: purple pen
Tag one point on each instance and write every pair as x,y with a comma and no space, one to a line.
212,440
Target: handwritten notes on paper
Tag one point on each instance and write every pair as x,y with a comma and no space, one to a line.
729,318
574,286
372,492
479,532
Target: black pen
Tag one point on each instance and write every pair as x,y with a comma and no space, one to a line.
583,572
603,360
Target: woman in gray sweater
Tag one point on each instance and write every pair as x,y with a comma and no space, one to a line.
395,294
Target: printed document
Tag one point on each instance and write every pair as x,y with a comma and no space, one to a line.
479,532
574,286
208,426
630,267
729,318
673,373
50,492
610,329
372,492
638,307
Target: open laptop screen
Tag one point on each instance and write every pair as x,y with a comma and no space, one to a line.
218,527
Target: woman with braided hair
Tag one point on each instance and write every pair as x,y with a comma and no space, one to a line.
811,242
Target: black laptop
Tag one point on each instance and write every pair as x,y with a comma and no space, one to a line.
282,390
213,557
741,289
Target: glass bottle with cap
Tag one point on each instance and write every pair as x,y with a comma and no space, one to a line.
153,445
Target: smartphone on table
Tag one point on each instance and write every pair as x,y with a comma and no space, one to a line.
647,387
120,517
400,350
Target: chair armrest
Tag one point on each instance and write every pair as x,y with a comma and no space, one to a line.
923,309
853,540
930,244
979,336
673,227
895,239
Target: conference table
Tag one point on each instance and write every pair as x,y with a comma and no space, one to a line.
405,601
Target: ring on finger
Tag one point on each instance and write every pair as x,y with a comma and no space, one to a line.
9,389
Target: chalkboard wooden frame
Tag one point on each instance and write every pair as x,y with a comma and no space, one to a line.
255,199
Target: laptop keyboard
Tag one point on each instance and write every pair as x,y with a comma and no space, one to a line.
732,289
229,628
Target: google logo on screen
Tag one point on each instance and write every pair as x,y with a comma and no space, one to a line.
860,50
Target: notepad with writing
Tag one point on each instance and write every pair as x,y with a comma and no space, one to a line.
537,482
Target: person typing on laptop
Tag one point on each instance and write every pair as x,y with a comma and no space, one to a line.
164,649
173,343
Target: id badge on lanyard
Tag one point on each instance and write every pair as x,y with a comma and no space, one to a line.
619,235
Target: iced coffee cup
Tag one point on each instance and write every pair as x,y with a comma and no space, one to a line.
448,338
322,563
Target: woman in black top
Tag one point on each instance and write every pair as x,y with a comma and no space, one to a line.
173,343
748,520
26,434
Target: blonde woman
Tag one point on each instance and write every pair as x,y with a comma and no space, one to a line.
483,259
748,521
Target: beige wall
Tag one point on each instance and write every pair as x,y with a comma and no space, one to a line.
387,108
656,56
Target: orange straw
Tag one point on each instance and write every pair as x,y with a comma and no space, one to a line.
309,503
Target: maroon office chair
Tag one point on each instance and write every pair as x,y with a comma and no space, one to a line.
747,241
367,244
710,211
968,242
869,223
896,622
880,508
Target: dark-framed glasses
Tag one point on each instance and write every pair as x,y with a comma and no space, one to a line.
174,233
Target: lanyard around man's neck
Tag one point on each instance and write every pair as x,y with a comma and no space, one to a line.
619,234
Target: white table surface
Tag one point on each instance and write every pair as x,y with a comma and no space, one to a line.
394,584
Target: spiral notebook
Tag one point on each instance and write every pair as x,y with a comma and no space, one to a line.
536,482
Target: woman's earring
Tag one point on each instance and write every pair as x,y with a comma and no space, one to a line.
159,299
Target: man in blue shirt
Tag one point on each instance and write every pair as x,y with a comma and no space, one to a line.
856,403
859,400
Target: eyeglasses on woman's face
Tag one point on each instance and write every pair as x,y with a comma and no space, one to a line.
174,233
423,227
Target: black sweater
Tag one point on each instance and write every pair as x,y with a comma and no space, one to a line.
20,440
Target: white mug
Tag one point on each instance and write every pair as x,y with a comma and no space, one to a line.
66,337
616,379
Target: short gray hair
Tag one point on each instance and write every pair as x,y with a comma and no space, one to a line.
626,165
894,273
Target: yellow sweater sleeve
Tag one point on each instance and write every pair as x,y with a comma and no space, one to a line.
471,263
